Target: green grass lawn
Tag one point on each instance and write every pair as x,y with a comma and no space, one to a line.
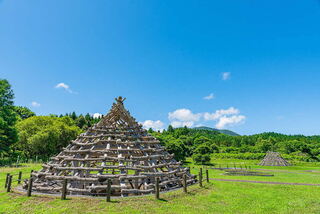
216,197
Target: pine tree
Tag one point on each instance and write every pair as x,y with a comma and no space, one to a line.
170,129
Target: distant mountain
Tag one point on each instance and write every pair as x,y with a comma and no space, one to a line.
223,131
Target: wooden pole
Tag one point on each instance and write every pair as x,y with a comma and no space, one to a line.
7,178
64,189
200,177
157,189
29,191
109,191
207,175
19,177
185,183
9,183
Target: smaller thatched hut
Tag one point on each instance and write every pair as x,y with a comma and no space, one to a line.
274,159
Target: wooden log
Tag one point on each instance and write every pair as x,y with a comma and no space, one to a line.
171,165
6,182
19,177
133,177
159,174
109,191
207,176
9,183
185,183
175,181
137,191
29,191
111,151
112,176
99,168
74,178
64,189
115,142
166,157
102,187
47,189
157,188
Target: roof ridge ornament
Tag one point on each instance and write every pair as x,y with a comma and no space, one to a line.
120,100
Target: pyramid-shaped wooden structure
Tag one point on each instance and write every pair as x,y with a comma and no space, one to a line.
274,159
116,148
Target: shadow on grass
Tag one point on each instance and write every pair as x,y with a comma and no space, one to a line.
162,199
113,202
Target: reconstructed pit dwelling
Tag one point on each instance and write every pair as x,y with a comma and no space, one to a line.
274,159
116,148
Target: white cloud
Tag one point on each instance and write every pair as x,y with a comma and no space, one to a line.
223,117
155,125
229,121
209,97
35,104
219,113
176,124
65,87
183,115
226,75
97,115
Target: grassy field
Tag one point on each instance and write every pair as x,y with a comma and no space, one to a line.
215,197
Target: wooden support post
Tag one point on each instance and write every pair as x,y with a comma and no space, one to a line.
185,183
19,177
30,182
9,183
109,191
64,189
157,189
200,177
7,178
207,175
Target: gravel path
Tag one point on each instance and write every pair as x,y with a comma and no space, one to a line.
265,182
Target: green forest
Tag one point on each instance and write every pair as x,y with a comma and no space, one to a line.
24,135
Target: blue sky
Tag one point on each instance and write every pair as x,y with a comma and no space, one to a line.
258,61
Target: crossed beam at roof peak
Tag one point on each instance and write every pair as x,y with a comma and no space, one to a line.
120,99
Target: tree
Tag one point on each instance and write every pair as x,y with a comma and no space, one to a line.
170,129
201,140
201,159
177,148
81,122
8,117
24,112
44,136
203,149
73,116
